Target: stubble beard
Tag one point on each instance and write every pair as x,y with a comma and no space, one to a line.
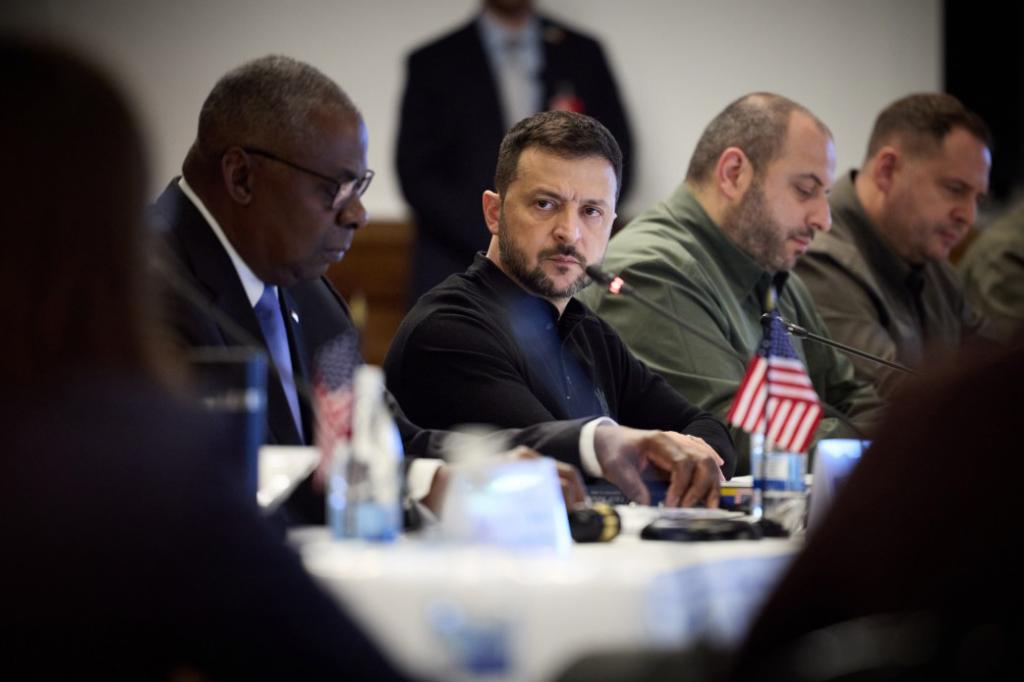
535,279
913,234
756,232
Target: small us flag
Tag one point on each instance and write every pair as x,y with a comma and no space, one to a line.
332,397
777,377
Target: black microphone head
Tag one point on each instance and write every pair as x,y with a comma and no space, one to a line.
599,275
598,523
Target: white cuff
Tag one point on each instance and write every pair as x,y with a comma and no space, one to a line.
588,455
420,475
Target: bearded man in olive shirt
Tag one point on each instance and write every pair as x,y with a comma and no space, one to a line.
754,198
881,278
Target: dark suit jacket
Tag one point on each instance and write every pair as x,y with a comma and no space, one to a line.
452,125
191,577
203,262
196,254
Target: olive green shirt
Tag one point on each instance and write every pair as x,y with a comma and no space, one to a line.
873,300
675,256
993,273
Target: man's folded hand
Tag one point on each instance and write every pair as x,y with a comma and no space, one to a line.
691,466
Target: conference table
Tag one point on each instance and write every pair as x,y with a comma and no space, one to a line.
462,612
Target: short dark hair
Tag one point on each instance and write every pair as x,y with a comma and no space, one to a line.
922,120
73,265
267,102
563,133
756,123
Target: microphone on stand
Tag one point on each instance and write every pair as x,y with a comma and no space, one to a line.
797,330
597,523
618,287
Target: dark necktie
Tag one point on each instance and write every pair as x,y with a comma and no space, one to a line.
268,312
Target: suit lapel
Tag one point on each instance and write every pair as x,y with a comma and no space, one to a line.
214,273
480,82
554,71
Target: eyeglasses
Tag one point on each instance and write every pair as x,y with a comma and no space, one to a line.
347,189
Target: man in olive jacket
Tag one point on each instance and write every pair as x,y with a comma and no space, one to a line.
754,197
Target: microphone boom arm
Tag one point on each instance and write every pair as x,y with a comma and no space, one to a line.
616,286
797,330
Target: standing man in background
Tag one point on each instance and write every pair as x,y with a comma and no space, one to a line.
880,278
463,91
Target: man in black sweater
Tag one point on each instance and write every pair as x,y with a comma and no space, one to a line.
506,342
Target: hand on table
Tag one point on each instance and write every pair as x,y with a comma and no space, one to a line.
690,464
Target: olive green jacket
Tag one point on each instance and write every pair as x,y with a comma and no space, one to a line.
993,273
675,256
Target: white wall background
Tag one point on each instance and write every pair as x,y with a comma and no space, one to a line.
678,62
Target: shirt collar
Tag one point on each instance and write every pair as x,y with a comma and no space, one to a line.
496,35
252,284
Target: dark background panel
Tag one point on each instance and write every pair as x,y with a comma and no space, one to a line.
984,68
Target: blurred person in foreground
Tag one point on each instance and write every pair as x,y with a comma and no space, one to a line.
915,566
129,551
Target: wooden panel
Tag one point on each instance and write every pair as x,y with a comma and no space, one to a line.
374,279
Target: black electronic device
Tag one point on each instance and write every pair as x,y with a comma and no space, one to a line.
597,523
701,529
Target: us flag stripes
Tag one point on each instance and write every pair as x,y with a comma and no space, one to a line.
777,394
332,397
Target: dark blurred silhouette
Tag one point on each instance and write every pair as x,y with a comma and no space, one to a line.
129,551
923,533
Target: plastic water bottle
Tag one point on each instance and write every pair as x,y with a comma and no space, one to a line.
779,484
365,485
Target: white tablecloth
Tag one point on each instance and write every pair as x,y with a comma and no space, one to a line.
426,603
